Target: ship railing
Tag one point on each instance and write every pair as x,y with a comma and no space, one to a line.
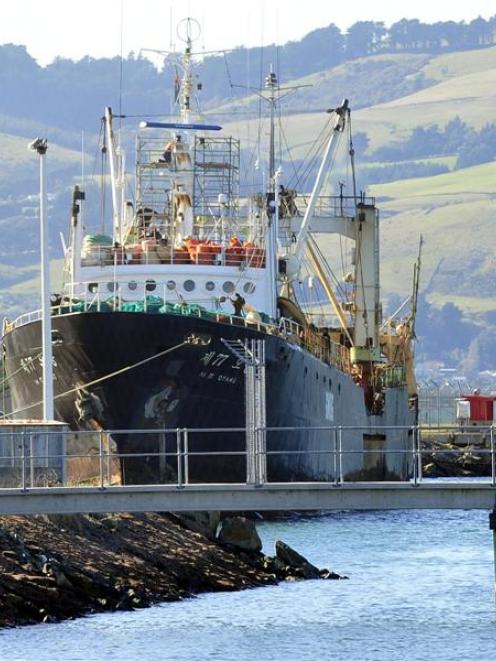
150,252
317,343
392,376
327,206
158,300
24,319
336,454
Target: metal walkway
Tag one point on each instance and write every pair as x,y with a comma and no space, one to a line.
53,470
242,497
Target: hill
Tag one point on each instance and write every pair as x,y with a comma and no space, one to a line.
394,92
455,213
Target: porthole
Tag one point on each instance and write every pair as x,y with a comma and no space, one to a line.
228,287
150,285
93,287
210,286
171,285
112,286
132,286
249,287
189,285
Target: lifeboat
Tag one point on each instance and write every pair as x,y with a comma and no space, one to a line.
181,256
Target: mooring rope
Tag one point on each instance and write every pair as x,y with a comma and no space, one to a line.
127,368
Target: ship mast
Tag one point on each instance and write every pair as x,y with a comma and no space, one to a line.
271,84
187,80
117,183
272,203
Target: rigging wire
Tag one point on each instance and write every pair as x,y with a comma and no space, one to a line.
127,368
310,159
121,65
102,179
6,378
352,158
329,269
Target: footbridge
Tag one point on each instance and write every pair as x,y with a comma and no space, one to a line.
57,471
243,497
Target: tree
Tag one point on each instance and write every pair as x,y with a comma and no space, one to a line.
364,38
450,34
406,35
456,132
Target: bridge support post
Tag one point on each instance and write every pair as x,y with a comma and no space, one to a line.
179,454
23,462
493,456
492,526
100,462
340,456
252,354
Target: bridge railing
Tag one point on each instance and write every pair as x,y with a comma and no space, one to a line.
187,456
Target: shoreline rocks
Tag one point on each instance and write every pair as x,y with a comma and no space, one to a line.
56,568
449,458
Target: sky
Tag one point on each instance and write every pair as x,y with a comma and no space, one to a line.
75,28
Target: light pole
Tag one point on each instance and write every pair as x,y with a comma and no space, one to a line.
40,145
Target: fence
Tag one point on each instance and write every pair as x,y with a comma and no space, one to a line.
437,402
183,457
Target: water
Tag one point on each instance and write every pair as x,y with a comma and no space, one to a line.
420,588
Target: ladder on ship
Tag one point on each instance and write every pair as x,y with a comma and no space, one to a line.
252,354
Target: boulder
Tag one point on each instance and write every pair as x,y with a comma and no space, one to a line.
205,523
429,470
241,533
296,561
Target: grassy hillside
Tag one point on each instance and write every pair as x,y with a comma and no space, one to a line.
17,158
456,214
452,65
442,87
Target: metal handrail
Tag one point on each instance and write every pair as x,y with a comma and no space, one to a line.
28,464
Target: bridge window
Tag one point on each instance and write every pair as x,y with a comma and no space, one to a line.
189,285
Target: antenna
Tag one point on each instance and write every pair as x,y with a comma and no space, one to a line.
275,95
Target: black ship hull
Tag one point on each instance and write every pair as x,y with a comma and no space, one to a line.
162,384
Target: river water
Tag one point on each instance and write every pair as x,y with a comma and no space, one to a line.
420,588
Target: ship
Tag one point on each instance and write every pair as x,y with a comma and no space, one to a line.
160,322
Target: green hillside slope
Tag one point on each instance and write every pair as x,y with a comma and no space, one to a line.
456,214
